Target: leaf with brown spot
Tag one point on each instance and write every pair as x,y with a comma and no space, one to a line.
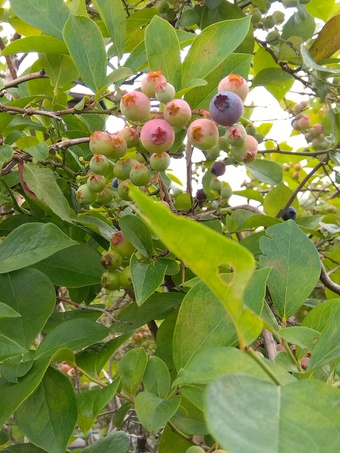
328,41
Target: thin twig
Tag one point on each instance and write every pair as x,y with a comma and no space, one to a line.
327,281
24,78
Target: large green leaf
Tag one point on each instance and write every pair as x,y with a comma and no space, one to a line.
91,402
86,46
327,347
9,348
23,448
137,233
266,171
73,334
73,267
60,69
132,368
204,250
12,395
256,290
211,47
211,363
49,415
40,183
248,414
41,43
171,442
202,322
320,315
295,266
116,441
47,15
163,50
114,17
154,412
276,199
156,377
7,312
31,294
146,278
30,243
276,81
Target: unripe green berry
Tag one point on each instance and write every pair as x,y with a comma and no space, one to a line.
216,184
84,195
120,244
119,146
96,183
101,143
269,22
149,82
160,162
130,135
279,16
165,92
123,167
111,280
111,260
213,153
99,164
140,174
226,191
125,278
162,6
256,17
195,449
123,189
105,196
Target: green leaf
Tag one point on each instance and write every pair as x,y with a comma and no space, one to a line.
41,184
266,171
154,412
30,294
211,47
327,348
59,68
132,369
163,51
114,17
39,151
86,46
170,442
204,250
91,402
12,395
9,348
156,377
30,243
146,278
320,10
211,363
73,334
276,81
295,266
23,448
299,26
310,63
202,322
116,441
277,198
6,153
49,415
320,315
73,267
7,312
48,15
301,336
302,416
138,233
256,290
157,306
41,43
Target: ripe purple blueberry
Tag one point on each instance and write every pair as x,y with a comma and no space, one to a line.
203,133
226,108
157,136
218,168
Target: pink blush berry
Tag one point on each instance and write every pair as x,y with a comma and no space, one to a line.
177,113
135,106
150,81
236,84
157,136
203,133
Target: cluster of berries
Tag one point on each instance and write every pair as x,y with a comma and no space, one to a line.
302,123
117,276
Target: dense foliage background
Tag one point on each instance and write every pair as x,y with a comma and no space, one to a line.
219,327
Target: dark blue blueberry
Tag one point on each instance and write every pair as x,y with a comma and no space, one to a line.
115,183
218,168
200,195
290,213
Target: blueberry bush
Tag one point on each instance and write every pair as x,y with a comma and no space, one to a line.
150,301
